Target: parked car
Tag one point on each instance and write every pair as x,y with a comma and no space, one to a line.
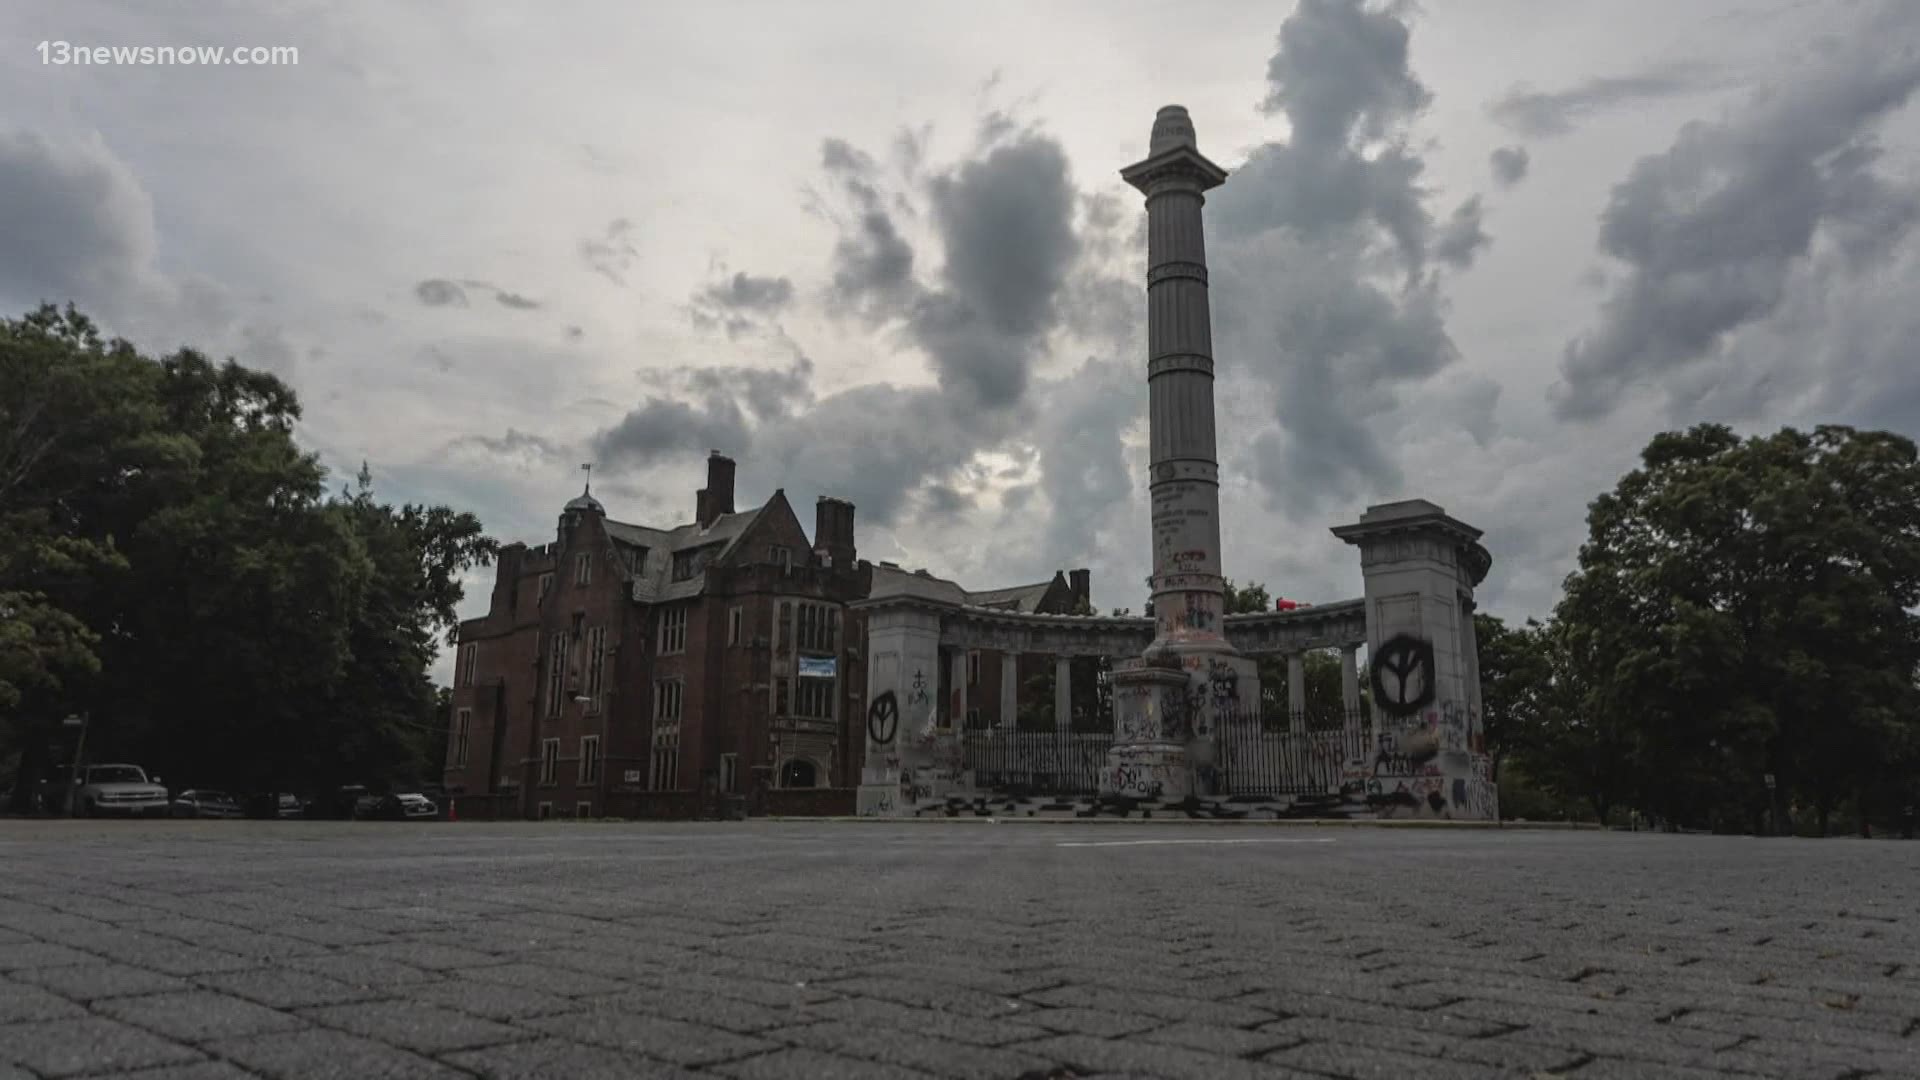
269,805
410,807
120,790
340,804
205,803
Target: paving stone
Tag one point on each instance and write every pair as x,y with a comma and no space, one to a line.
197,1015
19,1001
668,1040
887,1015
784,1064
368,972
282,988
1233,1042
85,982
1367,1062
319,1054
899,1048
204,1070
1088,1055
557,1059
27,955
426,1029
493,1001
58,1048
540,977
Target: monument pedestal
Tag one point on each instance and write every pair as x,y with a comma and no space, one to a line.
1168,711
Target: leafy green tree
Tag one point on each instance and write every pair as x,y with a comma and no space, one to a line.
1516,679
168,562
1744,609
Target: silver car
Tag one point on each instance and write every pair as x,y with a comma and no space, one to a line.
206,803
120,791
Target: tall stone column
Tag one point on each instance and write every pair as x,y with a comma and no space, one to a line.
959,692
1350,698
1167,702
1297,692
1010,690
1062,693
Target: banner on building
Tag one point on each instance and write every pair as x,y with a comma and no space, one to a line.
817,667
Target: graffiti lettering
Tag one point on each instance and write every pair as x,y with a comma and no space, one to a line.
918,695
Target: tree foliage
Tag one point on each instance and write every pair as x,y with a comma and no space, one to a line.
1743,610
171,564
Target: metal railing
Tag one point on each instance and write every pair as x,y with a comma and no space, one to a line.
1274,754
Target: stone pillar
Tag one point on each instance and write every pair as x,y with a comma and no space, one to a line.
1297,692
1350,698
1165,704
1062,693
1420,567
904,748
958,695
1009,690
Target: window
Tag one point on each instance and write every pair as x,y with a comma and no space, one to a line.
636,561
733,626
973,716
783,627
590,759
673,630
596,665
546,810
782,696
583,568
813,699
818,625
973,668
546,586
556,674
780,556
729,773
467,653
688,564
549,762
666,769
462,730
667,701
583,810
798,773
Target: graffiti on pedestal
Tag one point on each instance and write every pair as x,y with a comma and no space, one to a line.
918,696
1138,781
883,719
1403,681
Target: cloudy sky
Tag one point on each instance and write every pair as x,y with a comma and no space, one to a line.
1476,254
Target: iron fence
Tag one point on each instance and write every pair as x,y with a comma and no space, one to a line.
1275,753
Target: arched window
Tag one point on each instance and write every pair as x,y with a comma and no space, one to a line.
798,773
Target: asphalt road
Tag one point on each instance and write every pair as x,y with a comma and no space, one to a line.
199,951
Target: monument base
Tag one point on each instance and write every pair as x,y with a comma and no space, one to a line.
1159,771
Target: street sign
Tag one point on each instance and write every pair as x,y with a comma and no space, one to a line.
632,776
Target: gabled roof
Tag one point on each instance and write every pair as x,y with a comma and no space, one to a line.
1015,598
655,581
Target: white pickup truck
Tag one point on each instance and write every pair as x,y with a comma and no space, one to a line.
120,790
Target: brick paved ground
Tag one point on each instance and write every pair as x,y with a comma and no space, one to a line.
202,951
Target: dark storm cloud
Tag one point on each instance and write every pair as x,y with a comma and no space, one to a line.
1714,232
1003,221
1542,114
740,302
1322,250
1461,238
1509,164
76,223
714,408
612,252
439,292
942,501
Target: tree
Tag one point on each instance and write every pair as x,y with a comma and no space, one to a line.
190,585
1744,608
1516,677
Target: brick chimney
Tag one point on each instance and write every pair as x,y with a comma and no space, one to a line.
1080,585
717,497
833,532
